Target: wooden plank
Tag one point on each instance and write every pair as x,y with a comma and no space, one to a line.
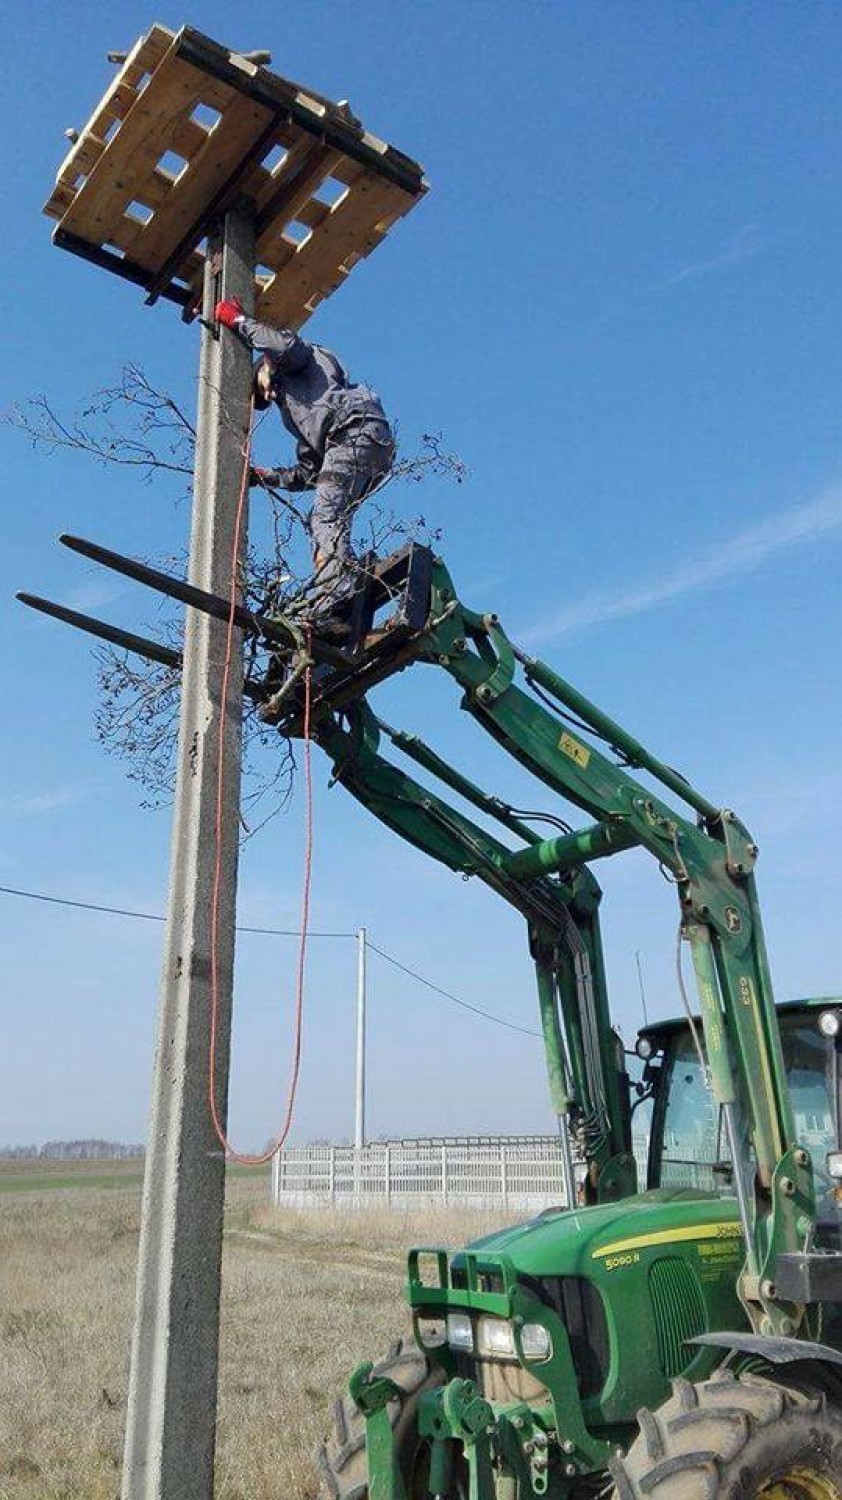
354,226
307,165
313,213
155,44
159,39
209,170
302,173
89,151
136,148
59,202
283,251
186,139
348,171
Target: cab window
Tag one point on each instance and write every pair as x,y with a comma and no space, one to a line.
693,1139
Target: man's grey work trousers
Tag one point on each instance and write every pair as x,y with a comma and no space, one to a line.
356,460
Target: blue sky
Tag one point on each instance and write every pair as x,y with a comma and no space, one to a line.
620,303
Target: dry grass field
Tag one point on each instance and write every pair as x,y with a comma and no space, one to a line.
306,1297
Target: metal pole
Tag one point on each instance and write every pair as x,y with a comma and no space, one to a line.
640,982
359,1096
171,1422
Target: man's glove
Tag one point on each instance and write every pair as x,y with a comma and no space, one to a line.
276,479
264,477
229,312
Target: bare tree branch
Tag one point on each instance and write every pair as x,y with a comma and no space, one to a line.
134,424
130,423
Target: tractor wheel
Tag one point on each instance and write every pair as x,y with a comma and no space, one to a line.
730,1438
342,1458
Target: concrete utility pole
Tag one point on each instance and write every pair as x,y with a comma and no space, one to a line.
116,166
359,1093
172,1391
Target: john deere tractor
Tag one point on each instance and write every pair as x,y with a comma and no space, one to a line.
678,1339
673,1340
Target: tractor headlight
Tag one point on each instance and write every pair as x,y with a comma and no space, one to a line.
535,1341
829,1023
495,1337
460,1334
644,1048
432,1332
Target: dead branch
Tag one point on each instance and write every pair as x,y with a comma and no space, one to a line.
133,424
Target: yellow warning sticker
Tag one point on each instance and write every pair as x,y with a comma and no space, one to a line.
580,753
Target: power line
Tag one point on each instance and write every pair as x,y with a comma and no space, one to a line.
150,916
428,984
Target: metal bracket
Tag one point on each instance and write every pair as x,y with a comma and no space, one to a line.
741,853
525,1446
503,674
372,1394
459,1411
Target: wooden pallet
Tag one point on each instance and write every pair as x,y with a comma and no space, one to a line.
186,128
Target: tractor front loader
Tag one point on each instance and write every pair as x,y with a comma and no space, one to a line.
674,1340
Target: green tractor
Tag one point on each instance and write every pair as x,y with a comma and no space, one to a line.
678,1340
585,1352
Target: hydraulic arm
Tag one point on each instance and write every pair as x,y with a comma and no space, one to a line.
562,913
589,760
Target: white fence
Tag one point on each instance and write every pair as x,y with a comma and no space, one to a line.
518,1172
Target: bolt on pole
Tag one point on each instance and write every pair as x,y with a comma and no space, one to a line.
171,1423
359,1092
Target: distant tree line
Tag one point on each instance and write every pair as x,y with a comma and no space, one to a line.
91,1150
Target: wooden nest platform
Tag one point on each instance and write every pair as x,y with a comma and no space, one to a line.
186,129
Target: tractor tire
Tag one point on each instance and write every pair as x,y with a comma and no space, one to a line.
735,1438
341,1458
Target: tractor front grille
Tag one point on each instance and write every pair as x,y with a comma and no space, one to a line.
679,1311
501,1380
580,1308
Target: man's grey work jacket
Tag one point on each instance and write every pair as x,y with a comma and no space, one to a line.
316,398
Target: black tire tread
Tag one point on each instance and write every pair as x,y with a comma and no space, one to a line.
701,1443
341,1458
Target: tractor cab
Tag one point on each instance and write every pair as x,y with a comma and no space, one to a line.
688,1144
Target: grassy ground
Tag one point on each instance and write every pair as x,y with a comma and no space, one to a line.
306,1297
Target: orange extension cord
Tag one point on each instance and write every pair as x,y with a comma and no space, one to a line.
231,1153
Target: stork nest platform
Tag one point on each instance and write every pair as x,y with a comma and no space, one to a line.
185,130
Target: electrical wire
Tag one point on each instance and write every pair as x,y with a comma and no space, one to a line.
428,984
152,916
148,916
259,1158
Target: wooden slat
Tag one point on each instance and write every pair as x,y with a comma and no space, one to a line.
59,202
257,182
136,148
89,151
155,44
209,170
297,180
355,225
304,170
186,138
348,171
313,213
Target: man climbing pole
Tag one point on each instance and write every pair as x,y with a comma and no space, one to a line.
344,448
